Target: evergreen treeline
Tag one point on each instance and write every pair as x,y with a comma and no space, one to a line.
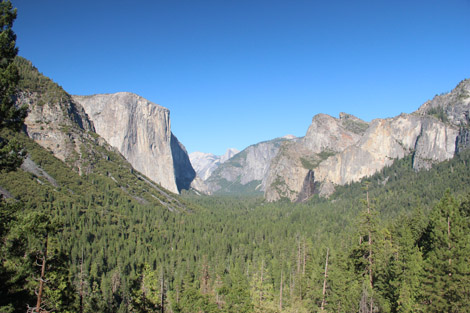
109,252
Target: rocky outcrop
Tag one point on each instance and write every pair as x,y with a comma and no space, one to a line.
206,163
463,140
60,125
340,151
452,107
246,171
327,133
141,131
295,162
429,140
287,171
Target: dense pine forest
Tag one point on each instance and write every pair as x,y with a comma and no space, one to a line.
108,240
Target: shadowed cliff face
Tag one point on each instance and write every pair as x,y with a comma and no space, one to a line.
141,131
344,150
184,172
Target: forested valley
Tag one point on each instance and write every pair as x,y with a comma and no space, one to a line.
399,246
105,239
403,250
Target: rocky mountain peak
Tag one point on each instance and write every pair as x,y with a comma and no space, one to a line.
55,121
329,133
141,131
340,151
452,107
289,137
228,154
206,163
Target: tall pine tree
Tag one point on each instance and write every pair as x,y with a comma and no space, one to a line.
447,268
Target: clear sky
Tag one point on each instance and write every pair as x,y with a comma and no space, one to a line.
237,72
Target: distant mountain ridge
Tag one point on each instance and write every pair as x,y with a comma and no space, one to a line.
337,151
205,163
246,171
334,151
331,154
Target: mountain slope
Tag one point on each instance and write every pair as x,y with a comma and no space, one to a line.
246,171
61,126
54,120
290,173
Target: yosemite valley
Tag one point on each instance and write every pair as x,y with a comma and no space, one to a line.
103,209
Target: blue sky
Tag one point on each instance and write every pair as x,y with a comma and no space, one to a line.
234,73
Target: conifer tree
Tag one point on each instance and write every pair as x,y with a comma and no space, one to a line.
262,290
447,269
11,117
406,269
238,292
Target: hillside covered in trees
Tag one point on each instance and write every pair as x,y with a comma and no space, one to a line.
108,251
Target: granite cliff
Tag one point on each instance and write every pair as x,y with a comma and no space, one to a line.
140,130
60,125
340,151
246,171
54,120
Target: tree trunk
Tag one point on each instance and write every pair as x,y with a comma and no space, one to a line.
448,239
280,294
305,259
162,294
81,284
371,282
298,256
41,279
324,280
262,282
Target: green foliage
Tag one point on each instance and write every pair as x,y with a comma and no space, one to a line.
212,256
439,113
407,265
236,188
315,160
356,126
11,152
32,81
237,295
446,253
10,116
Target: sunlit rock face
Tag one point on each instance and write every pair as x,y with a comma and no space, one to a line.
340,151
246,171
386,140
291,171
141,131
59,125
